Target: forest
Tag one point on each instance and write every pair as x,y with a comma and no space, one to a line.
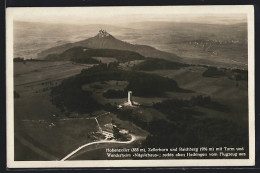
70,96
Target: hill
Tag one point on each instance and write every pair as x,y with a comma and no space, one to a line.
69,95
43,35
85,55
103,40
151,64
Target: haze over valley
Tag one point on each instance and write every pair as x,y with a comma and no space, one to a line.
211,44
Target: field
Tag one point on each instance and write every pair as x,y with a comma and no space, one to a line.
33,81
222,89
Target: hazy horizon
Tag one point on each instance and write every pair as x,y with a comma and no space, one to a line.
124,16
169,29
127,24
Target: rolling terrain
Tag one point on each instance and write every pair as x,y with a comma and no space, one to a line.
107,41
223,45
196,95
71,101
51,134
193,104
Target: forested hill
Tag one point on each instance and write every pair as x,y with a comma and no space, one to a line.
107,41
85,55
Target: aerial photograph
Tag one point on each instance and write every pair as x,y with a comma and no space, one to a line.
111,84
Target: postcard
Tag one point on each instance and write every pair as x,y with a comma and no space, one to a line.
130,86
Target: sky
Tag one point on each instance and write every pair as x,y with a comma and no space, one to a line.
124,15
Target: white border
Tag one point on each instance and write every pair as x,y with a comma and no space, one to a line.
238,9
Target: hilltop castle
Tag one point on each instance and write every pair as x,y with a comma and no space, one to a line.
103,33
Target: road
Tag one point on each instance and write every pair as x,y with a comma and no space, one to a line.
133,138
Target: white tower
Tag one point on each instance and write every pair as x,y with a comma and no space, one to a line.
130,100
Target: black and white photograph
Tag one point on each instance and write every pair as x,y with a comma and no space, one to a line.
130,86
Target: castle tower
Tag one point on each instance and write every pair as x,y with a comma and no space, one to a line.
130,100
